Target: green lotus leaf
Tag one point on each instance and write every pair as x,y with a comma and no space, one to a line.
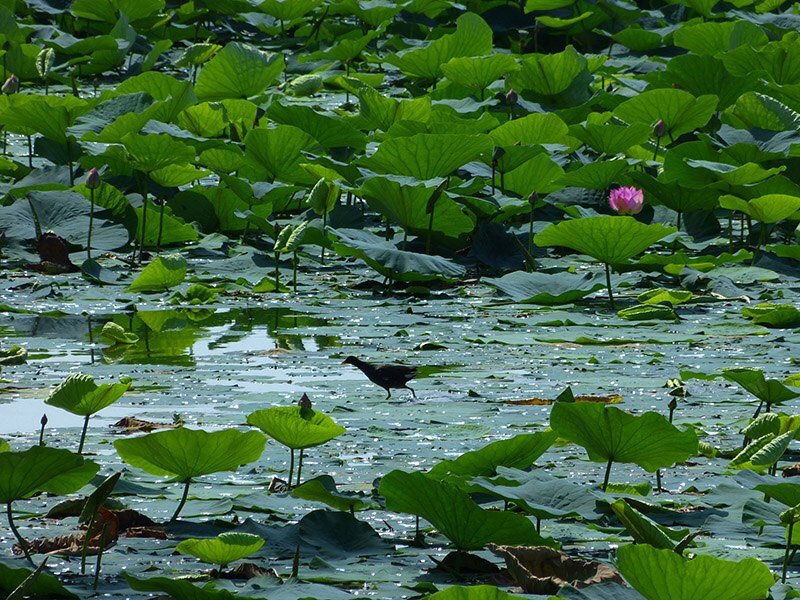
612,139
781,316
50,116
718,37
754,110
375,13
663,296
644,530
4,446
477,73
540,494
784,492
519,452
549,74
676,196
323,489
454,514
772,208
762,452
327,130
609,239
155,151
288,10
746,174
681,112
648,312
664,575
163,273
276,153
44,586
638,39
305,85
345,49
224,549
15,355
295,428
472,37
595,175
117,334
427,155
406,204
540,174
386,259
770,391
545,288
80,395
537,128
238,71
771,423
188,453
472,592
42,469
181,589
702,75
108,11
609,434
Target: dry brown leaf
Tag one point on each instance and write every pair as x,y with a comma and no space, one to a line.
134,425
543,570
608,399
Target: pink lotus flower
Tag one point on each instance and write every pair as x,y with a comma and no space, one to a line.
626,200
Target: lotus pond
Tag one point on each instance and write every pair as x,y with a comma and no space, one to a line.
578,220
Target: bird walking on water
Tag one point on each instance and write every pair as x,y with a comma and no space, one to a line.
389,376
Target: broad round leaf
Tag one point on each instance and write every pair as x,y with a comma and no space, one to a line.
608,433
42,469
612,240
189,453
772,208
238,71
163,273
518,452
680,111
455,515
289,426
753,380
223,549
664,575
80,395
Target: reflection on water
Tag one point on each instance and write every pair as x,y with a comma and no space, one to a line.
177,336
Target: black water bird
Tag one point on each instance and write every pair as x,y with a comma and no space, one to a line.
389,376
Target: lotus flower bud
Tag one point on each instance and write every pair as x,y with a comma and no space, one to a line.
93,179
497,155
43,420
11,86
512,97
626,200
533,198
304,402
660,128
278,228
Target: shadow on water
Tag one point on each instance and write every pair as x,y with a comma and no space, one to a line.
173,336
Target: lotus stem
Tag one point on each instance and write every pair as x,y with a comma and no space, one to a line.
538,525
30,151
608,474
658,481
430,230
83,433
160,225
658,140
291,465
277,270
608,286
100,556
144,225
324,227
530,234
20,540
86,539
786,553
680,214
91,224
182,502
294,272
299,466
